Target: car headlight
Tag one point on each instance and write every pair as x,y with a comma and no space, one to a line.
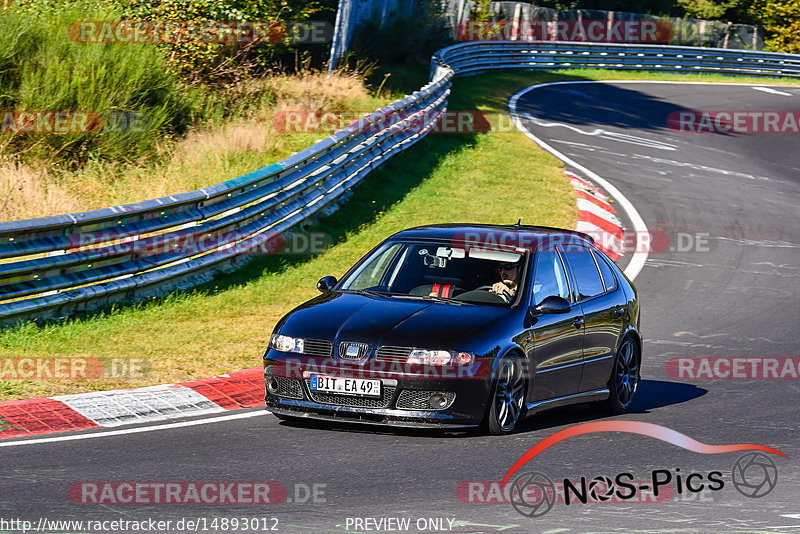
440,357
286,343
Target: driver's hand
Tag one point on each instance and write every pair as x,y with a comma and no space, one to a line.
500,287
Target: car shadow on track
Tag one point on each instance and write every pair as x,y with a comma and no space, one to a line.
623,107
651,395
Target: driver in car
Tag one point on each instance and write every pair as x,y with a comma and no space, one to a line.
509,278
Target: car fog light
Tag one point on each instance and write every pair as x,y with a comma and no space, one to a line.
272,385
437,401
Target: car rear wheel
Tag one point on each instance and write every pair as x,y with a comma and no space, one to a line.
507,399
624,377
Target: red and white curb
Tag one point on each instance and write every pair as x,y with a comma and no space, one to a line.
597,217
240,389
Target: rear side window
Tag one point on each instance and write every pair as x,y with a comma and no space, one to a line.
586,274
605,269
550,278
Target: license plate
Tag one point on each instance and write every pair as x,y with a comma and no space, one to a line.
346,386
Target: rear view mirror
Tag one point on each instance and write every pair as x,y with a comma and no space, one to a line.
553,304
326,283
451,252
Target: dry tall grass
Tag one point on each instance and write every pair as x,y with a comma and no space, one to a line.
317,90
27,192
203,157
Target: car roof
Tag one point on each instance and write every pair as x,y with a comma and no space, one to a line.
519,233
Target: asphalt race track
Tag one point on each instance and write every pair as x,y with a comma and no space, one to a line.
725,285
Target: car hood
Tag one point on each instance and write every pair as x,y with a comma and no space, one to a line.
377,321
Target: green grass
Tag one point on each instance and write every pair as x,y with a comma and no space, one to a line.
224,325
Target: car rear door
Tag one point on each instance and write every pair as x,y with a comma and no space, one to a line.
603,304
557,347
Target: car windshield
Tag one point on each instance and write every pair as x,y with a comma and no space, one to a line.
438,270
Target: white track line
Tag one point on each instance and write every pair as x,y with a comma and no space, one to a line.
639,256
138,430
772,91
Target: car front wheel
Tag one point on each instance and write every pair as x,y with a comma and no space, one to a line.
507,398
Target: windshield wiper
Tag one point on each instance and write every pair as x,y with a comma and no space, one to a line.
433,298
371,292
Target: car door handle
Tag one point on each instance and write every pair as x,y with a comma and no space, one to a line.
619,311
578,322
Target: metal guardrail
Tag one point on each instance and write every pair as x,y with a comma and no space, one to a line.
481,56
47,269
46,272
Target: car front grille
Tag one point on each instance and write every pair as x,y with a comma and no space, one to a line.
393,353
317,347
412,399
387,394
363,350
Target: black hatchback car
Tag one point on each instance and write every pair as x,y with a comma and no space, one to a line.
460,326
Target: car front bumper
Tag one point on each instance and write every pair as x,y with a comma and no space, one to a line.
403,401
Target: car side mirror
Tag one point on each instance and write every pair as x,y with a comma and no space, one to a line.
553,304
326,283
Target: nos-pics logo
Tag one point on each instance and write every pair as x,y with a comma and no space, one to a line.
533,493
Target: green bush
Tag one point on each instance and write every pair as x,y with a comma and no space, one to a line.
42,70
207,62
199,62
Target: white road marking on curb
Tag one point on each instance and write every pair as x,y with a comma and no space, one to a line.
591,207
602,237
140,405
598,195
639,256
137,430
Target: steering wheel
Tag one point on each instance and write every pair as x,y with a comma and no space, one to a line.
505,295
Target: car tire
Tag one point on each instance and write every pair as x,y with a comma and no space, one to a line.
506,403
625,377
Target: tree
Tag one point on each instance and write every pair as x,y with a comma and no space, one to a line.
707,9
781,20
